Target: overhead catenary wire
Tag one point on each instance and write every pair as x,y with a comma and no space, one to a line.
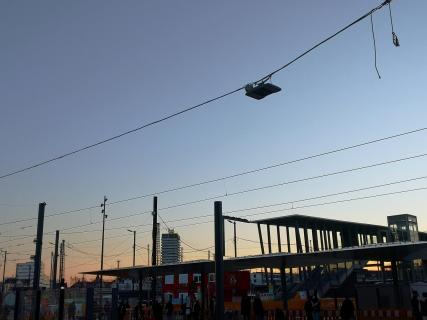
316,205
226,177
280,210
271,166
197,106
340,201
324,175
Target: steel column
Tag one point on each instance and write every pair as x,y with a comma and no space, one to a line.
322,244
306,242
269,249
289,250
315,239
261,242
335,239
219,263
279,242
55,260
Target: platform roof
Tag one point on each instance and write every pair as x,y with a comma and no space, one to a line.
398,251
318,222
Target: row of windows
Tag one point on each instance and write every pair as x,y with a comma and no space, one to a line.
183,278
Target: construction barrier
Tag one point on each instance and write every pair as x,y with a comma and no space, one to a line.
385,314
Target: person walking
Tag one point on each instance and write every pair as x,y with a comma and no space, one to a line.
308,308
169,309
196,310
258,308
245,307
182,308
424,306
157,310
137,311
122,310
212,308
72,311
347,309
415,302
279,315
315,304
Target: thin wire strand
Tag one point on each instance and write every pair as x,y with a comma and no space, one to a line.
326,40
375,47
391,18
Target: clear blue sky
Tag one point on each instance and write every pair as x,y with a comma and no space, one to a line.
72,73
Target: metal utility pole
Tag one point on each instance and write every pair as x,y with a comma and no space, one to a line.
62,262
104,216
154,250
55,260
37,261
39,245
4,270
51,270
118,264
219,262
61,310
233,220
134,244
234,238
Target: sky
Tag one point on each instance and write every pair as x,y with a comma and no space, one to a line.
73,73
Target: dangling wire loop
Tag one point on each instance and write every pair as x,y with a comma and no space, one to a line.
395,38
375,47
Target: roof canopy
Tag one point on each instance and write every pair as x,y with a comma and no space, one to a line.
297,220
381,252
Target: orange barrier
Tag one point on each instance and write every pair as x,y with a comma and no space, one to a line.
335,315
385,314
